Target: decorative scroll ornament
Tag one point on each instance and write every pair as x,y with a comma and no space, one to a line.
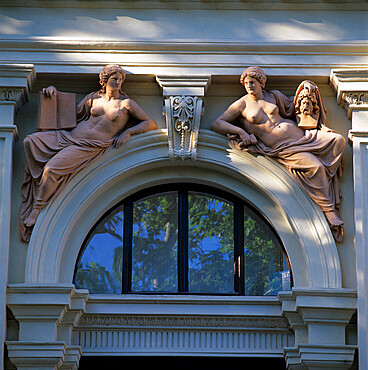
14,95
351,100
183,96
351,87
356,98
183,118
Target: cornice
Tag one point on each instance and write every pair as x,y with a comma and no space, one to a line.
351,88
316,5
215,57
192,46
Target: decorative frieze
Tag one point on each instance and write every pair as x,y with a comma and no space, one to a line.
180,321
176,334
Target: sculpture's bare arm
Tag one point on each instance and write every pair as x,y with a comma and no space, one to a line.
146,123
224,126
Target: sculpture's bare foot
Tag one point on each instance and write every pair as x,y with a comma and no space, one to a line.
335,223
333,218
31,219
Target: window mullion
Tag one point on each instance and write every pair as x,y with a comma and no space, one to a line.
127,247
239,248
183,222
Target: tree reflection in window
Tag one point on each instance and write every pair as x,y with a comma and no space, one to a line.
183,239
154,249
211,244
265,267
100,267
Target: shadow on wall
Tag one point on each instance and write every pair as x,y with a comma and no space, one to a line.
170,362
153,24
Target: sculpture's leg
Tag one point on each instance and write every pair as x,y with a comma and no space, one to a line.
38,149
319,183
60,169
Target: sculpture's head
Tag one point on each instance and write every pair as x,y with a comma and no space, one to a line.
306,102
254,72
108,71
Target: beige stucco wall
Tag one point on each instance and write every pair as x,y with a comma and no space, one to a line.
69,41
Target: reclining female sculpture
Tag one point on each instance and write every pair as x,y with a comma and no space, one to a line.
266,123
52,158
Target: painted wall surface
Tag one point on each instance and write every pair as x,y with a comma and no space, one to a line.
157,24
68,42
310,39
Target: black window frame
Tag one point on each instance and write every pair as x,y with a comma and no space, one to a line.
183,189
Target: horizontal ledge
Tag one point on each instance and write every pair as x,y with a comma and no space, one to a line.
181,299
190,45
322,292
182,352
318,5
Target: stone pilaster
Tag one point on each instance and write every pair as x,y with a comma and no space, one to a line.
183,108
319,319
46,315
15,82
352,94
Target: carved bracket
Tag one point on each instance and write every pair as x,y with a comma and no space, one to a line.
13,95
351,87
183,108
16,81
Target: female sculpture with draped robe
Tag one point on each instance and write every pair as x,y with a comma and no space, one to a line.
265,123
52,158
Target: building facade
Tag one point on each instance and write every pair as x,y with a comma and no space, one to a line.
183,61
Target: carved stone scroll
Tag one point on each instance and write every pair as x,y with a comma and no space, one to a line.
183,108
351,89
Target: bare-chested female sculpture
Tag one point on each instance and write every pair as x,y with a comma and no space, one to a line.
265,123
53,157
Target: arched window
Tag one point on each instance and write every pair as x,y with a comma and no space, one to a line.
183,238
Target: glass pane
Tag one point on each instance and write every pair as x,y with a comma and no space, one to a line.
155,232
100,268
265,264
211,244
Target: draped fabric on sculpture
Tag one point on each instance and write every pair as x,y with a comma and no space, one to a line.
315,160
54,156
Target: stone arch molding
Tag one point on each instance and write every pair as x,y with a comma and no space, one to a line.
142,162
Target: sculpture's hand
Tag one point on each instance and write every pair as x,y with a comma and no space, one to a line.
247,139
121,139
50,91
